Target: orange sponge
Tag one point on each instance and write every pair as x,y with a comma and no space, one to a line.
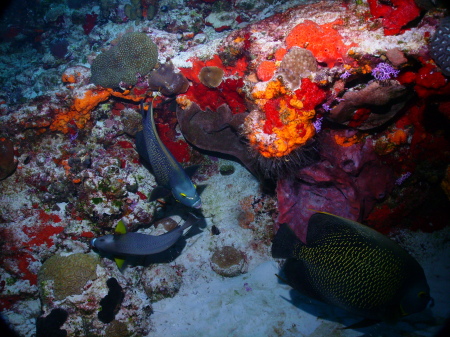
322,40
265,70
80,110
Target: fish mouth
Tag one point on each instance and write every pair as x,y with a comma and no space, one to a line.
197,204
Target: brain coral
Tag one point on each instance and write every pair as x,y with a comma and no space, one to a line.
135,54
68,273
440,45
297,63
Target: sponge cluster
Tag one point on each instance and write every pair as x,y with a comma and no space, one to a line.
440,46
134,55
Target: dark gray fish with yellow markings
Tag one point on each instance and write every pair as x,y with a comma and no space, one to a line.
169,174
122,244
352,266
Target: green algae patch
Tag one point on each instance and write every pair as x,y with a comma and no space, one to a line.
68,274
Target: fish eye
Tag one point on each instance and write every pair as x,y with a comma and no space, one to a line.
422,294
195,186
183,195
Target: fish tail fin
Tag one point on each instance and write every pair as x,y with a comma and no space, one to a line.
190,221
284,242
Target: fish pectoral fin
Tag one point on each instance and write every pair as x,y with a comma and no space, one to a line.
200,189
190,170
366,322
159,192
120,262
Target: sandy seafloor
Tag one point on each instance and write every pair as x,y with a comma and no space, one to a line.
256,303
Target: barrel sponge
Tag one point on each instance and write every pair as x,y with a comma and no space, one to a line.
296,64
440,46
68,273
134,55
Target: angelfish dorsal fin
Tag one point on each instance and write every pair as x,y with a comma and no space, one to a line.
120,228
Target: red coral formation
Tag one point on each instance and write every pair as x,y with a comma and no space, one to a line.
229,91
323,41
179,148
428,81
238,69
90,22
395,15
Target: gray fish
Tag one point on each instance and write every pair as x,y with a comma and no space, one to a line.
168,172
123,244
352,266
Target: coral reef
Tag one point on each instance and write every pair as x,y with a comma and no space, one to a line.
381,102
7,161
344,106
228,261
211,76
296,64
323,41
215,131
134,55
161,281
395,15
283,121
352,176
167,81
62,276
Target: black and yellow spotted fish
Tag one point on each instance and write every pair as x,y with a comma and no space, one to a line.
347,264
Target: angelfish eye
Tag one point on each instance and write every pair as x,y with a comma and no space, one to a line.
183,195
422,294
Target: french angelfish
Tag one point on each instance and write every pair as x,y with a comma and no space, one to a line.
168,172
352,266
124,244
